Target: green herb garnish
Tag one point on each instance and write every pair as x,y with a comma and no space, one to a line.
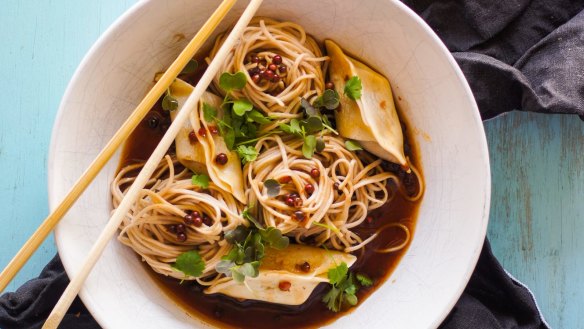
312,125
200,180
308,129
241,106
229,82
352,145
249,217
353,88
169,103
209,112
247,153
308,108
329,99
239,124
292,128
191,67
337,274
249,243
257,117
344,287
274,238
364,280
320,144
309,146
273,187
190,263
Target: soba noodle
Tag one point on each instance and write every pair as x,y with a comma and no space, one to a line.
319,198
301,56
344,191
166,200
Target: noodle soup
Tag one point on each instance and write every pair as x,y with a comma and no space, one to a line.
285,201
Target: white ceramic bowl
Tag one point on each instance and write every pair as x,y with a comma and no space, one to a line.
435,98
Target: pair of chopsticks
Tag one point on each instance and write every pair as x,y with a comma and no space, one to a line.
120,136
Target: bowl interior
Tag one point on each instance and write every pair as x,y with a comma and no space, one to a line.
431,93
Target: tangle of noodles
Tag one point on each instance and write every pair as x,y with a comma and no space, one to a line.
300,54
345,191
164,202
332,192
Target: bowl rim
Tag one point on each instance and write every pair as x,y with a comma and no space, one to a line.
106,37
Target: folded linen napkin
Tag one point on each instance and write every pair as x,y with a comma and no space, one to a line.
517,55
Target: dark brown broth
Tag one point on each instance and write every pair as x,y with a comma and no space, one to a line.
227,312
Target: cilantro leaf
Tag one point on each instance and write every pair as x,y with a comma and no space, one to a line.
247,153
169,103
364,280
353,88
329,99
190,263
209,112
229,137
237,123
258,117
200,180
285,128
349,286
273,187
352,145
191,67
227,132
337,274
241,106
343,288
294,127
332,298
309,146
229,82
351,299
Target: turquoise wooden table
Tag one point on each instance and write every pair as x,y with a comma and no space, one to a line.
537,217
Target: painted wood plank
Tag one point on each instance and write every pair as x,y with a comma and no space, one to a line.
42,44
537,216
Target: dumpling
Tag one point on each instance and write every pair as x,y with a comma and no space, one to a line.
199,156
280,278
372,119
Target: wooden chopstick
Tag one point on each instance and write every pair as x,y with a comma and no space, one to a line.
114,222
120,136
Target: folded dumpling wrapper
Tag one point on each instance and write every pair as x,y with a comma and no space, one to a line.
372,119
284,266
200,156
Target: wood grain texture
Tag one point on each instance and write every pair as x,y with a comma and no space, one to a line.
42,44
537,216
